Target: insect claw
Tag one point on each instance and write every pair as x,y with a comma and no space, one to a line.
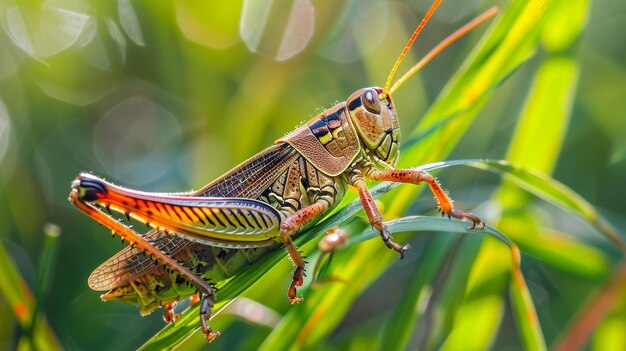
108,208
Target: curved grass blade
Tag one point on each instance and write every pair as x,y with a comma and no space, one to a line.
529,325
411,312
526,315
554,192
306,325
45,272
478,317
326,305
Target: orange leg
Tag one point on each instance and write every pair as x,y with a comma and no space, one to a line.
374,215
417,177
288,228
169,315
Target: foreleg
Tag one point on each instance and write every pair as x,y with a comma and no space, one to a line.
415,176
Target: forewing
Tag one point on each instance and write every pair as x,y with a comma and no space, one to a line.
254,175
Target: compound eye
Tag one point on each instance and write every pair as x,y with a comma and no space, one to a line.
370,101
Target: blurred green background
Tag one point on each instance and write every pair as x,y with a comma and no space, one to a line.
166,96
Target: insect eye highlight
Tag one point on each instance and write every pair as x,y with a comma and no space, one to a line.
370,101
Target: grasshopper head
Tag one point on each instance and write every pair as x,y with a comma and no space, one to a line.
374,116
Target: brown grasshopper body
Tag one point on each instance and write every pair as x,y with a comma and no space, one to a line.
208,235
291,182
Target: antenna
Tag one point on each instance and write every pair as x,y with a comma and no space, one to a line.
440,47
417,31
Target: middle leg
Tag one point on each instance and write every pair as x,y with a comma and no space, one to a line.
290,226
373,214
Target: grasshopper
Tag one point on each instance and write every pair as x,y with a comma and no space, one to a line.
208,235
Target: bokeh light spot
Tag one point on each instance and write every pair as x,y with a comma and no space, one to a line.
117,36
131,141
129,21
5,128
46,30
352,39
10,57
299,30
209,23
263,21
69,94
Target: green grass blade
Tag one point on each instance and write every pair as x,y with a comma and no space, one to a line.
523,308
20,298
477,319
518,285
307,325
556,193
539,134
45,272
411,308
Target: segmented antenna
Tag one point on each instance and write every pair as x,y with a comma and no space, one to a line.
430,12
442,45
